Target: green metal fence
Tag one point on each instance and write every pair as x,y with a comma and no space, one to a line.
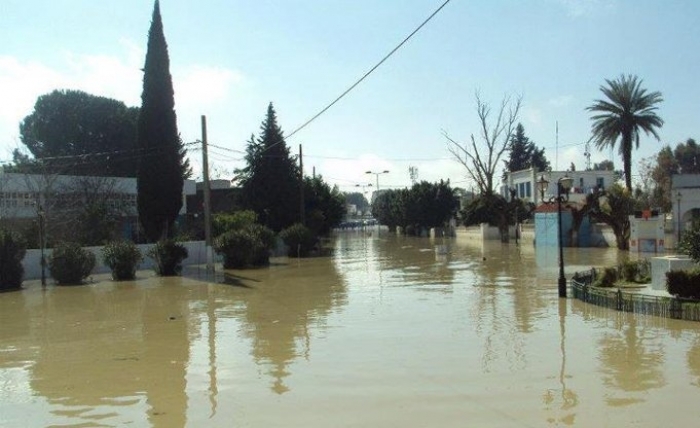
667,307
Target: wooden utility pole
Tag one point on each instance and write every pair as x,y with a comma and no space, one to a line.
207,199
302,209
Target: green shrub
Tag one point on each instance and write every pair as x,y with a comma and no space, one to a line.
629,270
12,250
234,221
684,283
606,278
122,257
168,256
245,247
70,264
300,240
690,242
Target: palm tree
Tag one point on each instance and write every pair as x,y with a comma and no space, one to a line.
627,110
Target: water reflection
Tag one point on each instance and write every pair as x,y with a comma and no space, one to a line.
278,306
386,332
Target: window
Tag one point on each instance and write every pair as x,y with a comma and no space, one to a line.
600,182
528,189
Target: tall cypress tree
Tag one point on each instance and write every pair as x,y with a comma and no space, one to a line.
270,180
162,167
524,153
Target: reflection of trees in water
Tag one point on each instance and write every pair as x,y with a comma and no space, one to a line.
282,304
693,358
413,261
509,301
632,356
111,345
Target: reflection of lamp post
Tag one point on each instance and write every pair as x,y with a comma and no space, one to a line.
678,198
377,174
41,244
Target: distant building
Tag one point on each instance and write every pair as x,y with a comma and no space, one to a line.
525,183
685,194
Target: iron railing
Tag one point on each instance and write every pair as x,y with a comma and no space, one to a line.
661,306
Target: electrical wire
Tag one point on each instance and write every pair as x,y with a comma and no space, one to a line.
371,70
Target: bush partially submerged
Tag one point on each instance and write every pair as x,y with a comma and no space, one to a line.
122,257
606,278
246,247
70,264
684,283
690,242
300,240
168,256
12,251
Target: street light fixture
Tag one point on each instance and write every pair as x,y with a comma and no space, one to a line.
377,174
542,184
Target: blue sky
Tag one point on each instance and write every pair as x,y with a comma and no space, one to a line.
230,58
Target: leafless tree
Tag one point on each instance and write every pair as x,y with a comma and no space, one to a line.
481,157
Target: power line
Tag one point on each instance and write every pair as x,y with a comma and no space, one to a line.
371,70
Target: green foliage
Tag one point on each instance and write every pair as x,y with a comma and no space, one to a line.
423,206
635,271
70,263
270,183
613,207
168,256
324,206
684,283
224,222
245,247
300,240
524,154
67,125
123,258
12,251
690,242
162,166
607,277
627,110
358,199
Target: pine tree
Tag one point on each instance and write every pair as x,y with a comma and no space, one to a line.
270,180
162,166
524,153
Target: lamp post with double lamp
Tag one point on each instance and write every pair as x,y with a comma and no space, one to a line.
563,185
377,174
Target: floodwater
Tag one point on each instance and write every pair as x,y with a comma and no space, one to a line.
386,332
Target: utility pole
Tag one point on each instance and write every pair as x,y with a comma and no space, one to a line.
302,209
207,199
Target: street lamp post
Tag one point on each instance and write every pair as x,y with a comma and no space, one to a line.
364,192
678,199
377,174
563,186
41,215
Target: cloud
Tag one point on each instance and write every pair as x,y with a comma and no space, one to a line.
532,116
117,76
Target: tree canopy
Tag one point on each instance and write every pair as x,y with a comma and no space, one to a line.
425,205
162,163
270,181
324,206
73,132
626,111
524,154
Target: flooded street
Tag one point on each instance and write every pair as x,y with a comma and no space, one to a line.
386,332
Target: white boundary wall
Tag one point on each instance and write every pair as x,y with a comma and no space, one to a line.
32,260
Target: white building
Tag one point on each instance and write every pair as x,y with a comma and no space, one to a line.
685,194
526,184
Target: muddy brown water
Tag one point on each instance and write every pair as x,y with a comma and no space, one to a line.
386,332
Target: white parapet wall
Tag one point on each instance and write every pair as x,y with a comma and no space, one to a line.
32,260
661,265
